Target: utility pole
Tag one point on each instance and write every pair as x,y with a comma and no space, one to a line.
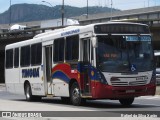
62,10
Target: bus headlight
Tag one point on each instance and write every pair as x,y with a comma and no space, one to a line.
101,78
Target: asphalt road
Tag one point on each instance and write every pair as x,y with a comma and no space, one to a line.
12,102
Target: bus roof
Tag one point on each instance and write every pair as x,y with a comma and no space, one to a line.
62,31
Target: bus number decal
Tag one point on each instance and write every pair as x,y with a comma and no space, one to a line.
29,73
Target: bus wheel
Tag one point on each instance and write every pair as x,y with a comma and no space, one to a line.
127,101
28,93
75,94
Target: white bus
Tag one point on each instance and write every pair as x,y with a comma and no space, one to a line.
112,60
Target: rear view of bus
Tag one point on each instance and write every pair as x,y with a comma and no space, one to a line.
124,61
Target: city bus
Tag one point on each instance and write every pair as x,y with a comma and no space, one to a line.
112,60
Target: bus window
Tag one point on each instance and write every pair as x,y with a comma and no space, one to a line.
72,48
25,56
36,54
58,50
16,57
9,58
86,50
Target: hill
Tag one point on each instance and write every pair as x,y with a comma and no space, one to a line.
34,12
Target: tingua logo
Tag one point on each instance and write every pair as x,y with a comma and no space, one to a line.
133,68
29,73
70,32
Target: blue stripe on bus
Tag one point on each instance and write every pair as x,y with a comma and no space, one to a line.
60,75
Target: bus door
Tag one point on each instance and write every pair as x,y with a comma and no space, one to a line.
86,66
48,68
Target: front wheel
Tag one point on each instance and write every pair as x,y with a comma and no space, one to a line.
126,101
75,94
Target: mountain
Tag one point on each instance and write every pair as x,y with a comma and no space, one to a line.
34,12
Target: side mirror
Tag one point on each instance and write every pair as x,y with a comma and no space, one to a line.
94,42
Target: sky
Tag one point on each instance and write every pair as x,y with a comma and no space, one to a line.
119,4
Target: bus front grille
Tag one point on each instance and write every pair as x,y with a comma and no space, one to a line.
129,83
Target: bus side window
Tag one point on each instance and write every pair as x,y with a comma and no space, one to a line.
58,50
9,58
16,57
72,48
36,54
25,56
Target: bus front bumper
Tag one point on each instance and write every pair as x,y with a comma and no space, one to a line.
112,92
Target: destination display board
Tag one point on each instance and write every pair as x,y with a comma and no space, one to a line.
121,28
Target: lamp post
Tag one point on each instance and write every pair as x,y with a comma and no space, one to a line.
62,10
111,9
48,3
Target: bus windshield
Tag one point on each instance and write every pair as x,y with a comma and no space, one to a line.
119,53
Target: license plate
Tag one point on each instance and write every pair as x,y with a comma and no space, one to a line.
130,91
142,78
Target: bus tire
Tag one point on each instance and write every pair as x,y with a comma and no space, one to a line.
126,101
75,96
28,92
